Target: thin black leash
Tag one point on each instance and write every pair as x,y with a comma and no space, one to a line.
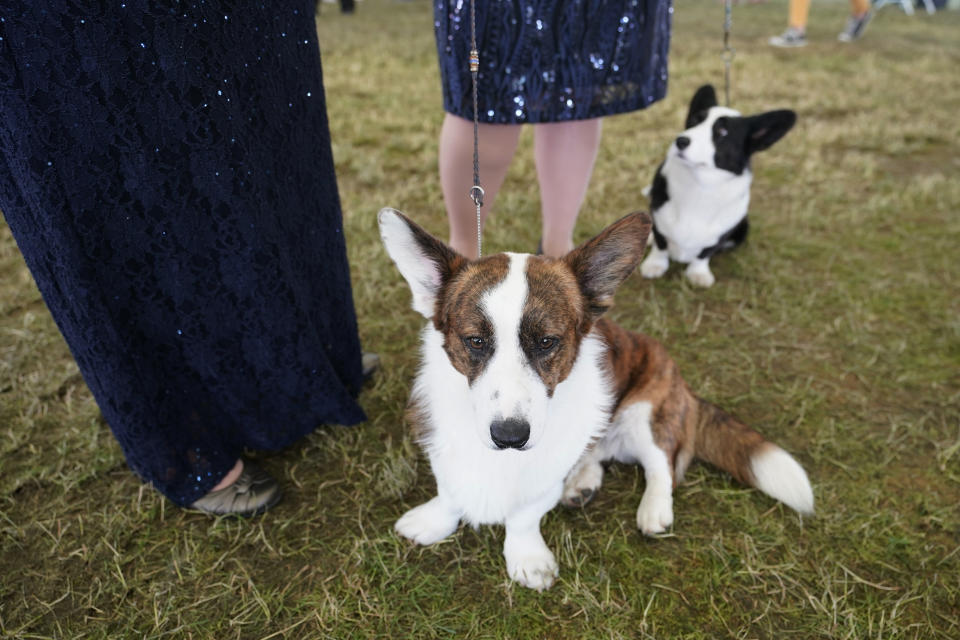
476,191
728,51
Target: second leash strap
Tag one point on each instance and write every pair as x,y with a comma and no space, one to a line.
728,51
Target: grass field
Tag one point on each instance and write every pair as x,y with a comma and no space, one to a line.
835,330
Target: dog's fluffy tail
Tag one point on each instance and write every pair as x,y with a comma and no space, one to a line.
727,443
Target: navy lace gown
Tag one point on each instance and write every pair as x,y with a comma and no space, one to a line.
165,168
553,60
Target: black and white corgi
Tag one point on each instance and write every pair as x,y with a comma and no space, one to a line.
701,191
523,384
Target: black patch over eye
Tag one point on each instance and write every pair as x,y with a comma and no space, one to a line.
729,135
720,129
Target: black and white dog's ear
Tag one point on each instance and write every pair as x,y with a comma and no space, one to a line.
764,129
703,99
602,263
424,262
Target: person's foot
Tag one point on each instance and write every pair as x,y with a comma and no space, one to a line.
253,492
792,37
856,25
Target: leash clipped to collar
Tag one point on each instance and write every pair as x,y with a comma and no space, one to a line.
728,51
476,191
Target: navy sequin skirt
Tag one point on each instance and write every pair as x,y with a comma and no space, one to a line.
166,171
553,60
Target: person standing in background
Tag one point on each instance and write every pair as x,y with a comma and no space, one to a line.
796,33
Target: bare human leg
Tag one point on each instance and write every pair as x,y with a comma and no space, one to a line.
498,142
564,153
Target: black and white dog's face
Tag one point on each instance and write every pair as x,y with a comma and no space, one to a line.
718,141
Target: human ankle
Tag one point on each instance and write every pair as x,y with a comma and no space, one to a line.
230,477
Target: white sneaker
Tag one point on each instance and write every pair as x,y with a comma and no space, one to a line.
792,37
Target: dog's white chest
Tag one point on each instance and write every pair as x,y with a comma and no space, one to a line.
697,212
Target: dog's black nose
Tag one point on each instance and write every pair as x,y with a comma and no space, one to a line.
511,433
683,142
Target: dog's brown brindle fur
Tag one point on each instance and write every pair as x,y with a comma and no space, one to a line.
460,316
554,307
683,424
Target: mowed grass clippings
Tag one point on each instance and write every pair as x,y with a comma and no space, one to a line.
835,330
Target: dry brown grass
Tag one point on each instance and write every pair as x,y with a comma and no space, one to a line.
834,329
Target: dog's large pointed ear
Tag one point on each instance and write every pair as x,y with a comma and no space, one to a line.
424,262
703,99
766,128
604,262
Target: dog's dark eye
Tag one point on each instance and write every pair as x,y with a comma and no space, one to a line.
476,342
722,132
546,343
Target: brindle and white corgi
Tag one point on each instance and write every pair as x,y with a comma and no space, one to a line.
524,385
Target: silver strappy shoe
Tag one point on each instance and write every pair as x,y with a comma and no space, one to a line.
254,492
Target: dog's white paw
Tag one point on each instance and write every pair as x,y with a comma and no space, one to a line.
655,513
654,267
701,276
582,484
535,568
428,523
